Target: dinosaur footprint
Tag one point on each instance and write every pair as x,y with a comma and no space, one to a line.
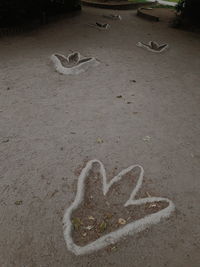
153,46
73,63
128,227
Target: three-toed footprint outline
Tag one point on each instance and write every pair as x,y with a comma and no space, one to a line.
73,63
153,46
128,229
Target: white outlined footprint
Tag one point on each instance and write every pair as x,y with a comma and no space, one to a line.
73,63
153,46
130,228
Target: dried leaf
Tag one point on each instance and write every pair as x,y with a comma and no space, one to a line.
84,234
76,223
91,218
53,193
153,205
18,202
99,140
147,138
147,193
121,221
89,227
102,226
108,216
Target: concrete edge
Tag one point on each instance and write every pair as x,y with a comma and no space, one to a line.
142,14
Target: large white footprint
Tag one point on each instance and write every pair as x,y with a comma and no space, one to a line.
73,63
128,229
153,46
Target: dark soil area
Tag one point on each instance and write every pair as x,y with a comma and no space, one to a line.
21,12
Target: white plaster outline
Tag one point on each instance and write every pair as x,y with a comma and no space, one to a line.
76,69
148,46
113,16
101,26
128,229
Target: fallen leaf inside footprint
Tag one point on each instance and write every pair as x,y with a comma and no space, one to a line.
108,216
91,218
84,234
153,205
102,226
89,227
121,221
76,223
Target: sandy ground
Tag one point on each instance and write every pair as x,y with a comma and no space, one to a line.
50,125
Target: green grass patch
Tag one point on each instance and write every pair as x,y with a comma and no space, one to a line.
143,1
175,1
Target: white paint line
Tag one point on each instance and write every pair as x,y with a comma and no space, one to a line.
78,68
128,229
